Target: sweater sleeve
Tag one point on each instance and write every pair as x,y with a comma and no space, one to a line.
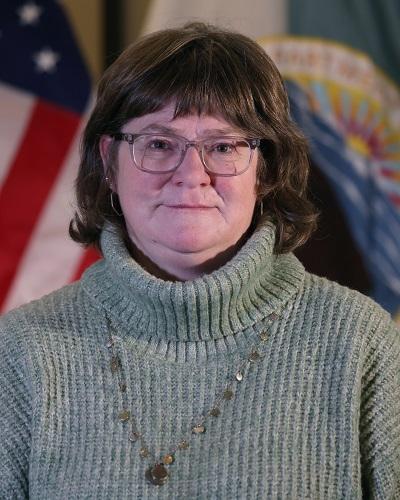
380,416
15,418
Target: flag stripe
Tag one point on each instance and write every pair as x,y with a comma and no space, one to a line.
43,148
51,257
15,110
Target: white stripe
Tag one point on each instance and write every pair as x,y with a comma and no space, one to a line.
361,165
392,282
388,249
15,111
388,185
390,219
51,257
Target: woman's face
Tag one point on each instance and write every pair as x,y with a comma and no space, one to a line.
187,222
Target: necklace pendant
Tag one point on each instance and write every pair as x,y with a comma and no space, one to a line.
198,429
228,394
157,474
254,356
168,459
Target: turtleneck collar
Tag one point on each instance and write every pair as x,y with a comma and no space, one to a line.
253,284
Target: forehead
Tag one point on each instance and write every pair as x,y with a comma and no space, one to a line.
165,120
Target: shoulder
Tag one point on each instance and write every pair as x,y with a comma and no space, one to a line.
352,336
37,310
323,293
349,311
23,327
42,332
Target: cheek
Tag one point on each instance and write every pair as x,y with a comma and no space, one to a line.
136,186
238,192
247,203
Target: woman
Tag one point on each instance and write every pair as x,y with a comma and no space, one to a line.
198,359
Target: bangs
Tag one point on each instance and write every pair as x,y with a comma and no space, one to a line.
201,78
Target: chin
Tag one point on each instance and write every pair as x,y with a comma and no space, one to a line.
198,251
190,248
194,242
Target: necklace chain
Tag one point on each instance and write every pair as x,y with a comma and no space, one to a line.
158,472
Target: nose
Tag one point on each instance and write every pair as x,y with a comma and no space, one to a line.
191,171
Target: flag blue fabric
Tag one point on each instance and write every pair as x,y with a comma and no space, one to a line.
39,54
350,111
372,217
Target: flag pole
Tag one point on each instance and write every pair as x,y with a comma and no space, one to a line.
113,30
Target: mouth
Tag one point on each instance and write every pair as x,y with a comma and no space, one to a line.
185,206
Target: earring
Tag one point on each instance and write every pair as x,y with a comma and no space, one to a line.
112,204
261,208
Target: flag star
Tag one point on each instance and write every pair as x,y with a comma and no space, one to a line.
29,13
46,60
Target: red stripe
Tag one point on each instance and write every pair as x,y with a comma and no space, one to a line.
393,174
395,198
89,257
46,141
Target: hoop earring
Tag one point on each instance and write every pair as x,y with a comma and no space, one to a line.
112,204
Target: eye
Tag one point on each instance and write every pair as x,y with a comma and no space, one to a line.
223,146
159,144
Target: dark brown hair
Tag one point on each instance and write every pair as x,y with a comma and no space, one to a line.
202,69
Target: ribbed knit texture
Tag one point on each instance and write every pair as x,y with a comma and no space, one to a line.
317,417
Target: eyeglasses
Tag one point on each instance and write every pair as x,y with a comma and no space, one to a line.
225,156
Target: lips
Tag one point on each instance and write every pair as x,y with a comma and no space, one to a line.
188,206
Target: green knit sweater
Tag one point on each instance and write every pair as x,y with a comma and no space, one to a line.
315,416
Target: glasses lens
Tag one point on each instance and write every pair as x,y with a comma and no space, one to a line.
156,153
227,155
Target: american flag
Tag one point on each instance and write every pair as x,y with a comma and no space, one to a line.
44,92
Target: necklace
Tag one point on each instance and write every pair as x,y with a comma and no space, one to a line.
157,473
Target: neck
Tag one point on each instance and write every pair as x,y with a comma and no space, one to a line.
183,267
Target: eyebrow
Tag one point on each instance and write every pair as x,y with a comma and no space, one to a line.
171,130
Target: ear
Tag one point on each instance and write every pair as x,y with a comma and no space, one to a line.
104,148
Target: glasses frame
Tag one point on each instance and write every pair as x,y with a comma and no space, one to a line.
199,145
